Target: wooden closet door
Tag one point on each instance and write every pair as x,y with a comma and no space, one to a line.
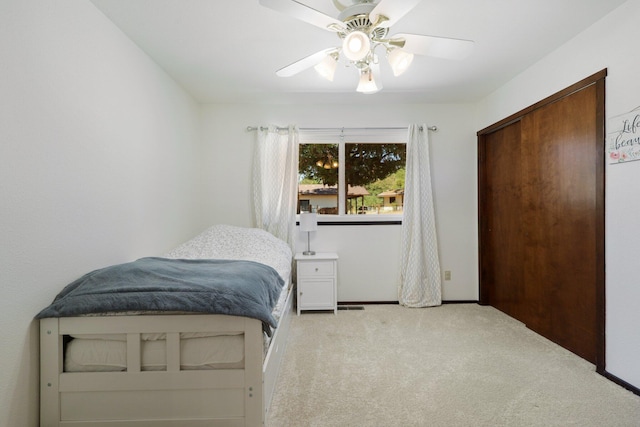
559,199
541,217
502,249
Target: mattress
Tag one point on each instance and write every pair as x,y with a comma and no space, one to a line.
99,355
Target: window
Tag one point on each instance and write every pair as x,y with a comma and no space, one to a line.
318,178
345,175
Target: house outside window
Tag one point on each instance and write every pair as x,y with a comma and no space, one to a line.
345,176
304,205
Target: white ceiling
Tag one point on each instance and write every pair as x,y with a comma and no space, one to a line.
228,51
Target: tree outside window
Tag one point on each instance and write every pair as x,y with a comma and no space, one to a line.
374,176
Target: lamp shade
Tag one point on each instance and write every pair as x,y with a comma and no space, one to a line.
308,222
327,67
367,83
399,60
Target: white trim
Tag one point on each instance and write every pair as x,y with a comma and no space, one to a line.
357,218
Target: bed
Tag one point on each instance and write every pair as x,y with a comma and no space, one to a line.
168,367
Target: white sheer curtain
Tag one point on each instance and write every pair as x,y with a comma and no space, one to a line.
420,281
275,181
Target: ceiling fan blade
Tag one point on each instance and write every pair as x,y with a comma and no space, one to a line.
393,10
304,63
439,47
304,13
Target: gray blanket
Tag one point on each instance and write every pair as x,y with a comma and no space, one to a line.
239,288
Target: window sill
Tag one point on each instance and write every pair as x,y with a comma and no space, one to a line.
385,219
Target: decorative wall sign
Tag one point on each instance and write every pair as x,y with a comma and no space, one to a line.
623,139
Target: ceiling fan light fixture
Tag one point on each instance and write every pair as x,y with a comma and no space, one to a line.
327,67
356,45
363,26
367,83
399,60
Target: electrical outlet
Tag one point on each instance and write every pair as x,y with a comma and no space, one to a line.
447,275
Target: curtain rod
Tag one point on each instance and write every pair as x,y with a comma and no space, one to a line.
252,128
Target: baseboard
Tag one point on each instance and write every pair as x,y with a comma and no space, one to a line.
365,302
396,302
464,301
622,383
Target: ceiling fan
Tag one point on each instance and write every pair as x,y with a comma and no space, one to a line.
363,26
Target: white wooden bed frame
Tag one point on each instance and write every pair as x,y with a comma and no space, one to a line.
135,398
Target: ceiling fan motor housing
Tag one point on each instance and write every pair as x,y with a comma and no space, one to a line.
356,18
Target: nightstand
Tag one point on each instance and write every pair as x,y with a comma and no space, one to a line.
317,281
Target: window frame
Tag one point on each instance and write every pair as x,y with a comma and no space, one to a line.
341,138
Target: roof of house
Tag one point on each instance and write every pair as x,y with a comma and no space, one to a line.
392,193
330,190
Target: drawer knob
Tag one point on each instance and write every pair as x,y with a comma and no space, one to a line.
316,268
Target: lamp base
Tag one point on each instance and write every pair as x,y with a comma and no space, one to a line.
308,253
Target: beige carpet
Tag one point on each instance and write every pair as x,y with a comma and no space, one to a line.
454,365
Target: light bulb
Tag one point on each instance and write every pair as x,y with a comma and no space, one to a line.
356,45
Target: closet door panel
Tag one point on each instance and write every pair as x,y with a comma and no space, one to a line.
562,253
502,253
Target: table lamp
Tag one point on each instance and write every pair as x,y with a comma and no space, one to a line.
308,223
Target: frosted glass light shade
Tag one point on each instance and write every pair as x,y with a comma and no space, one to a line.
308,222
367,83
399,60
356,45
327,67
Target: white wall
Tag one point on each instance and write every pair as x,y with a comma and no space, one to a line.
369,256
610,43
99,164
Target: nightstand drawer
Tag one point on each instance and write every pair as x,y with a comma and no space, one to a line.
315,268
